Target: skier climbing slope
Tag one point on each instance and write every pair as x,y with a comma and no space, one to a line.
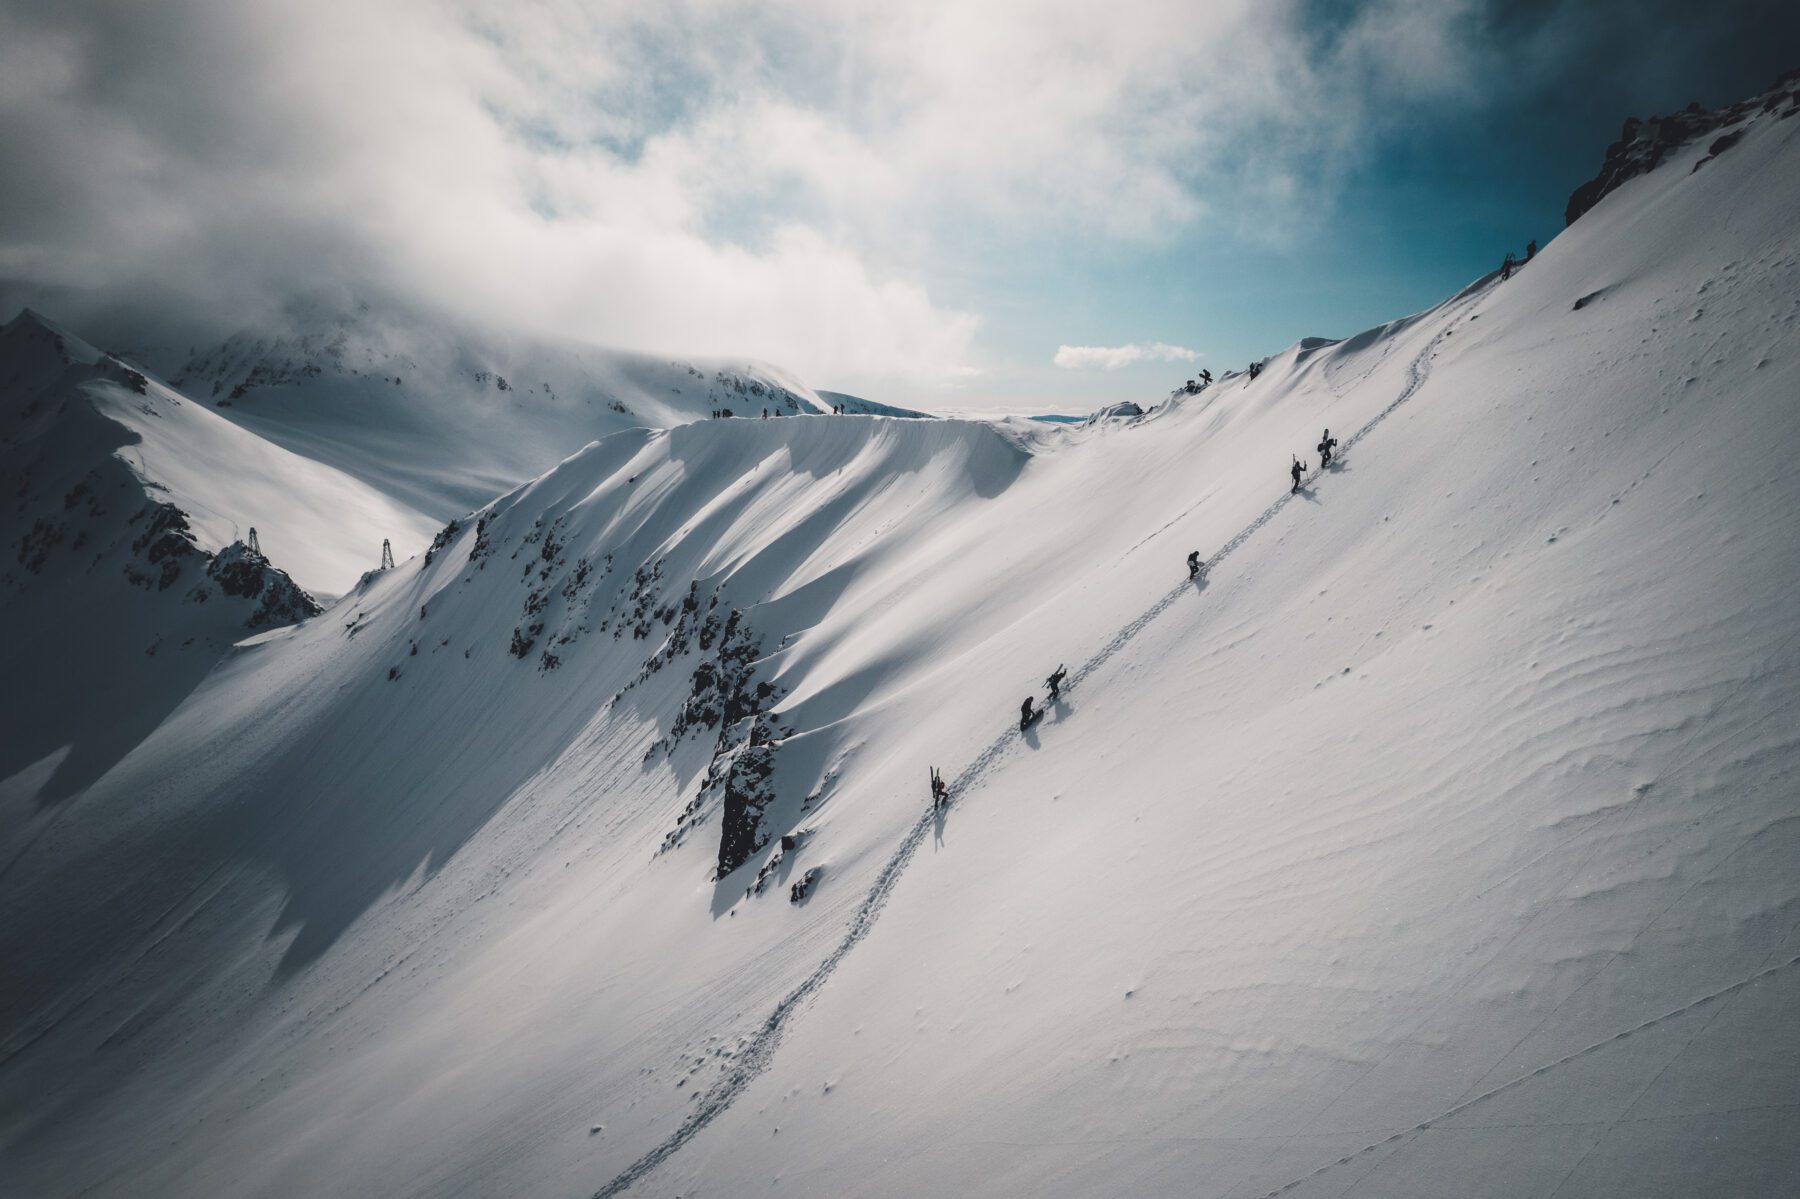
1488,857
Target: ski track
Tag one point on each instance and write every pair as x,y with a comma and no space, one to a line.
1459,1109
1416,373
760,1052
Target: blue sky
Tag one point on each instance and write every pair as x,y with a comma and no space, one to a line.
921,201
1425,209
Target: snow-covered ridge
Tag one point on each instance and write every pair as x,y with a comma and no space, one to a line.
117,597
1438,839
1643,145
441,414
224,480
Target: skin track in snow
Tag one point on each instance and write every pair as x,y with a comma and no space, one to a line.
1477,758
757,1055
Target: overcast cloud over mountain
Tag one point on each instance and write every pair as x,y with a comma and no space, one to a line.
899,600
874,195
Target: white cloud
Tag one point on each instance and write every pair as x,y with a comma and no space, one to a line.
1074,358
790,179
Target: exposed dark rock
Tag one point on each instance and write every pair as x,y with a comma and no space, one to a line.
481,549
1644,145
524,639
35,546
747,795
242,572
445,536
166,542
801,889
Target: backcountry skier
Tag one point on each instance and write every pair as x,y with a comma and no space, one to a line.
1054,682
1193,564
940,794
1327,443
1025,714
1298,469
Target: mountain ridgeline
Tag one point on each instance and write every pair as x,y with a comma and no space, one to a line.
1433,834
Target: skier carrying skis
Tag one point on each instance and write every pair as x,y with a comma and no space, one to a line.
1531,249
940,794
1298,469
1026,715
1054,682
1193,564
1506,267
1326,444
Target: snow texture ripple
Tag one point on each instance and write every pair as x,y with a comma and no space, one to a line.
760,1051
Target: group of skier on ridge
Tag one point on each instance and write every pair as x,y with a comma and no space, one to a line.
1510,264
1203,380
1028,713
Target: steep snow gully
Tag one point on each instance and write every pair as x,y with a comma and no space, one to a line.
756,1056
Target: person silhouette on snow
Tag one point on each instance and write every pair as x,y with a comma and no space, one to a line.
1327,443
1026,714
940,794
1193,564
1531,249
1054,682
1298,469
1506,266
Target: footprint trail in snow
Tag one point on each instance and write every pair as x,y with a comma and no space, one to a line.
759,1052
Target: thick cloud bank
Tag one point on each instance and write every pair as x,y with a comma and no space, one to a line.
1114,357
833,187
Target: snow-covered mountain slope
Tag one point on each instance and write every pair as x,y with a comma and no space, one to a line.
1440,840
123,480
442,414
323,526
123,585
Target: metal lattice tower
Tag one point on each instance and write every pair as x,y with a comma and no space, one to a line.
255,545
387,555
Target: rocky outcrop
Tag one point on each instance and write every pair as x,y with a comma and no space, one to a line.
747,795
243,573
1644,145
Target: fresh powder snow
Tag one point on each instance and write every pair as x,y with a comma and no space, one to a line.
1440,838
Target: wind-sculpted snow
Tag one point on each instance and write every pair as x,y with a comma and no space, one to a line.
756,1057
1438,839
1450,1113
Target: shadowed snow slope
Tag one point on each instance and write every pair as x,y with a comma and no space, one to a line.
1441,840
324,526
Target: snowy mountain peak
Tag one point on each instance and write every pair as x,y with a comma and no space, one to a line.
1417,824
1643,145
